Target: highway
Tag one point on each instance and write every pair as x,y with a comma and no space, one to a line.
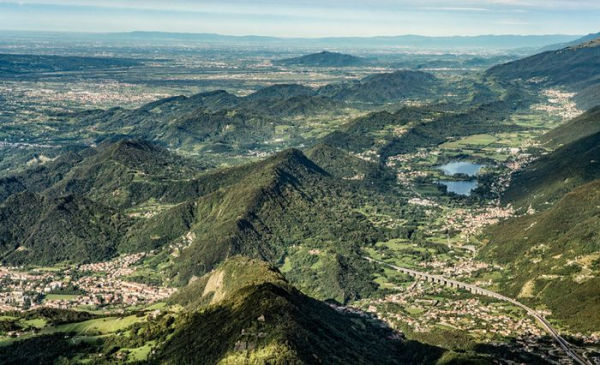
565,346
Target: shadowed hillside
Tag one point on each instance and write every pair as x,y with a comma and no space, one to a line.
576,68
553,257
584,125
548,178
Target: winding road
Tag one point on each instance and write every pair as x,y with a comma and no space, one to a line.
565,346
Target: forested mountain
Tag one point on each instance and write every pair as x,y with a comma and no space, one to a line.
287,215
132,196
218,121
575,68
42,230
410,128
246,296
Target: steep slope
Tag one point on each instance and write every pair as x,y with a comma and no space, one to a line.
260,210
554,257
41,230
323,59
256,316
582,126
547,179
577,65
132,196
576,68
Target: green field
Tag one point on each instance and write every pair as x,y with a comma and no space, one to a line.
60,297
98,326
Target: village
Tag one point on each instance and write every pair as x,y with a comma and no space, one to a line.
98,285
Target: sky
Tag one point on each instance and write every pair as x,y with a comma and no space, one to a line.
306,18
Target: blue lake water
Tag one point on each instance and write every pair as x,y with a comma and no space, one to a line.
461,167
460,187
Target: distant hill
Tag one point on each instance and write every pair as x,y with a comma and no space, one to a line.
576,42
548,178
385,87
490,42
576,68
553,256
409,128
218,121
323,59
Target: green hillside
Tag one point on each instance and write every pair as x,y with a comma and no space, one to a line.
410,128
280,92
576,68
343,165
553,257
41,230
131,196
263,209
548,178
249,303
577,65
582,126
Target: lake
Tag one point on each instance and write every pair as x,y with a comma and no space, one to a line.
460,187
461,167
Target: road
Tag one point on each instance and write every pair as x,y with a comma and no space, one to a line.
565,346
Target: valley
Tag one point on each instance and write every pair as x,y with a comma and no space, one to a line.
258,206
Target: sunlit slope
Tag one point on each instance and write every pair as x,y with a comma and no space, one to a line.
247,304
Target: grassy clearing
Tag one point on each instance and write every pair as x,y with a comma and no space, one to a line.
60,297
100,325
140,353
473,140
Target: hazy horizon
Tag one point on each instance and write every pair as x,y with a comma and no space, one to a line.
316,37
306,18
